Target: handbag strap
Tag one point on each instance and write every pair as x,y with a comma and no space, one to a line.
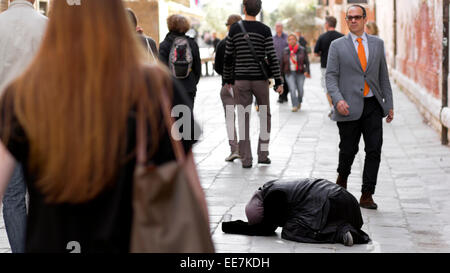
149,49
141,131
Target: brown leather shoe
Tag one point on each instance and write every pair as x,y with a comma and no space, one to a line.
342,181
367,202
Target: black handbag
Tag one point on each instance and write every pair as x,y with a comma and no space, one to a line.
263,64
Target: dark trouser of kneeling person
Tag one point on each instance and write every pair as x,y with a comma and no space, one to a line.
308,210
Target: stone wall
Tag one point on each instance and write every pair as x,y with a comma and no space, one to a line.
417,67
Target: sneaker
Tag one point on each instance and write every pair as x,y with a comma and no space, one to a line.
232,157
295,109
247,166
347,240
267,161
280,100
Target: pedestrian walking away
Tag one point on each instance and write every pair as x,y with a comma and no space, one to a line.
280,43
249,44
308,210
21,32
227,95
321,49
295,65
75,129
357,79
148,43
181,54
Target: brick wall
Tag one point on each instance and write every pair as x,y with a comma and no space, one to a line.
419,42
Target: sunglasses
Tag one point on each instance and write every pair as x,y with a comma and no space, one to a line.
357,18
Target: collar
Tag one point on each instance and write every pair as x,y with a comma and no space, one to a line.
354,37
20,3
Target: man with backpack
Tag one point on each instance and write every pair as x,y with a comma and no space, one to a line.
181,54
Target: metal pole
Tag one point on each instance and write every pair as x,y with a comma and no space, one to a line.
445,69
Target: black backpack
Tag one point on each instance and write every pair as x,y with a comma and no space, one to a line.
180,58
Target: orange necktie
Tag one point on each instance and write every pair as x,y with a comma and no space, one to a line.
363,60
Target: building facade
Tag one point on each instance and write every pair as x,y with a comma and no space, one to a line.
413,31
338,8
152,14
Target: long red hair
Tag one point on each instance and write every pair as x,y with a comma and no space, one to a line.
74,100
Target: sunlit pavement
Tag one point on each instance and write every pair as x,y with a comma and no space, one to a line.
413,190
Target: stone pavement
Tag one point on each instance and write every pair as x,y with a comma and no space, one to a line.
413,190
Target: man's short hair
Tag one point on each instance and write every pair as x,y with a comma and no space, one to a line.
132,17
331,21
178,23
234,18
253,7
357,6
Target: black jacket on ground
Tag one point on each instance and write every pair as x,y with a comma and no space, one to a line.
308,210
190,83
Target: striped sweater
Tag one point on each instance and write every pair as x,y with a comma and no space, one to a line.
239,61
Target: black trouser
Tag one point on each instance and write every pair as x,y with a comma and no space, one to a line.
286,90
371,127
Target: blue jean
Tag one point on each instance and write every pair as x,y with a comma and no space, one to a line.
15,211
296,83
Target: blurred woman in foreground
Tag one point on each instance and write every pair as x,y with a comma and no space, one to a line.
71,120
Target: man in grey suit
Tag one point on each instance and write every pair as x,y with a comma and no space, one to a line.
357,80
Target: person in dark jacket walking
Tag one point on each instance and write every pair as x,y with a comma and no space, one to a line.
178,26
308,210
280,43
226,95
147,42
295,65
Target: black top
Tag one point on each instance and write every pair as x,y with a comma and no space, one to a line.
220,57
190,83
323,45
215,43
240,63
144,39
100,225
302,41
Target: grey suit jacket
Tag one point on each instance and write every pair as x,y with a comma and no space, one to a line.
345,76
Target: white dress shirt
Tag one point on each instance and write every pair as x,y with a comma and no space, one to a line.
21,32
366,49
